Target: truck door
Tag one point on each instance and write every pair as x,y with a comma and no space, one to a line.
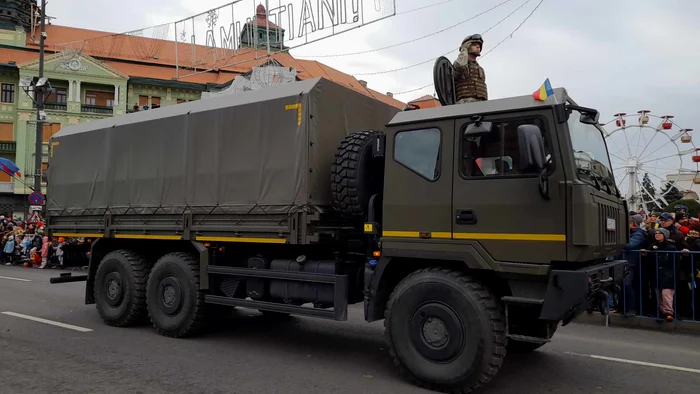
499,213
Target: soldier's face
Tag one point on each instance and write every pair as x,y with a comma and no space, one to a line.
475,48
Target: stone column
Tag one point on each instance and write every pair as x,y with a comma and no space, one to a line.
115,102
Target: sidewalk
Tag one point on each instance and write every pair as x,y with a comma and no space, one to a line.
596,319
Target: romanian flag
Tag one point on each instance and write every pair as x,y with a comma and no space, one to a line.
544,91
9,167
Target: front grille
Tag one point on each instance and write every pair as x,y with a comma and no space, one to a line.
607,212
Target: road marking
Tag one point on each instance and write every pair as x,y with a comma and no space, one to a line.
646,364
51,322
11,278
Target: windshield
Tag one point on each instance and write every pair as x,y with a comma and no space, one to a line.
590,152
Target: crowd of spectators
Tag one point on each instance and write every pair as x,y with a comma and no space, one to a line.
26,244
664,266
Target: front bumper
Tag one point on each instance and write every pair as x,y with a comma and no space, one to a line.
569,292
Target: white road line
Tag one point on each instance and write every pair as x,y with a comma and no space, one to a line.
51,322
11,278
646,364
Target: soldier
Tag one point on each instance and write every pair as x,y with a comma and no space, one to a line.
470,79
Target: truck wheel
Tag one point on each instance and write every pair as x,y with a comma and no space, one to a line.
175,305
445,330
356,175
120,288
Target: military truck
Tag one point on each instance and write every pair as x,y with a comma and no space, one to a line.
471,230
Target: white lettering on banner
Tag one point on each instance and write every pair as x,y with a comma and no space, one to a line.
292,23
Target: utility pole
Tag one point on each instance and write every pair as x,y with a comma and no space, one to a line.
39,94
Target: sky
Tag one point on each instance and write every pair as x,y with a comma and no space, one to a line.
616,56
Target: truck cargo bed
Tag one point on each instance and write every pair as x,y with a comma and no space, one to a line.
254,164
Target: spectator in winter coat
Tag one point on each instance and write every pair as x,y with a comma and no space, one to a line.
665,271
675,237
682,223
638,240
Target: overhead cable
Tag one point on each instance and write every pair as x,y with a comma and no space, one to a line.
489,51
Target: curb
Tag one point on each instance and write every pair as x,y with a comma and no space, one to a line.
596,319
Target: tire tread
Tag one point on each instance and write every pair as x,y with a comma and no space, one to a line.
489,304
141,268
198,321
344,173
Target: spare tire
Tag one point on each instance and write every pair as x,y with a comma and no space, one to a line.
356,175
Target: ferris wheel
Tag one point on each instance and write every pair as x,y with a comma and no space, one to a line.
648,158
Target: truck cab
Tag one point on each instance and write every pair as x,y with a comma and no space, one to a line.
518,193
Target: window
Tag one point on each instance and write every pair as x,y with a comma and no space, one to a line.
8,93
99,98
419,151
90,98
7,133
143,100
155,102
590,151
49,130
60,96
496,153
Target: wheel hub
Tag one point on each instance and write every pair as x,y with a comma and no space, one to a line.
170,295
114,288
437,332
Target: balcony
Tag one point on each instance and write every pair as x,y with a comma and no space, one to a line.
96,109
7,147
53,106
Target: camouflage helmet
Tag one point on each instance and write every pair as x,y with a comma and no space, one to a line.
472,39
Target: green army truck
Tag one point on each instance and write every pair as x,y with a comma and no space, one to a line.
471,230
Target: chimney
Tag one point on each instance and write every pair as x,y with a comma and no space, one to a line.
363,83
390,94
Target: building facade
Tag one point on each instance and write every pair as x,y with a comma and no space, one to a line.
89,84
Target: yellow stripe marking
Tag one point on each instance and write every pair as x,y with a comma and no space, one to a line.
243,239
77,235
511,237
401,234
441,234
146,236
298,108
479,236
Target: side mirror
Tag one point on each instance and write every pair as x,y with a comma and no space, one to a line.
479,128
589,117
531,145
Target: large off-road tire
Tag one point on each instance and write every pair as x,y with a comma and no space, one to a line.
120,288
175,304
356,175
445,330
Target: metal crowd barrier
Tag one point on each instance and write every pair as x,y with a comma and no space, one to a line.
650,273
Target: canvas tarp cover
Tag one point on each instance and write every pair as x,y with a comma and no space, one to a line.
223,154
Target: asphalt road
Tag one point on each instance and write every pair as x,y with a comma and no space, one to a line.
254,354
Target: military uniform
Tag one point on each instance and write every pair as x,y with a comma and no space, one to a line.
470,78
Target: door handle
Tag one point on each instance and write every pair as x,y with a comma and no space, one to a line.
466,216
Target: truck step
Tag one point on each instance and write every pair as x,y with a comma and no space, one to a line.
524,338
522,300
340,314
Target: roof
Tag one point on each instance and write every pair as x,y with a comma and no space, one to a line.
152,58
279,91
478,108
426,102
